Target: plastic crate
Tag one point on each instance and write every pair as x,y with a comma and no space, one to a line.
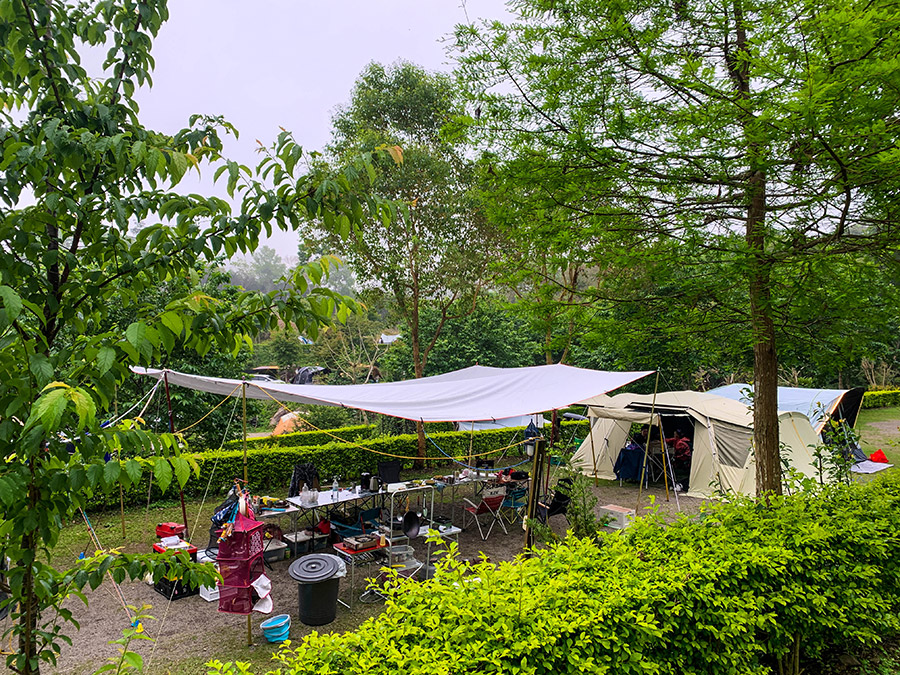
304,542
209,593
242,543
275,550
236,599
240,572
173,589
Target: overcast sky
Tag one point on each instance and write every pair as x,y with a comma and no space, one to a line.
287,63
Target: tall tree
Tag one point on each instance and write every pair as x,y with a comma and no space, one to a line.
78,170
436,248
650,121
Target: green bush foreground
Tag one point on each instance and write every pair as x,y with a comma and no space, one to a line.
743,588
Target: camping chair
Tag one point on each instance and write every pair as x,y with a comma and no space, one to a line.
556,503
389,472
304,474
367,523
514,504
488,505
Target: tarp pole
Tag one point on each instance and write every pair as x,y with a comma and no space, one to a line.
187,535
244,400
533,493
593,451
665,454
647,444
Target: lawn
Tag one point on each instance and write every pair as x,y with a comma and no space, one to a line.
878,429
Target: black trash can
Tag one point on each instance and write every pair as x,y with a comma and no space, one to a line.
317,587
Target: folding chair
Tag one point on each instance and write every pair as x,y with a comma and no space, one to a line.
304,474
556,503
514,504
487,505
389,472
367,523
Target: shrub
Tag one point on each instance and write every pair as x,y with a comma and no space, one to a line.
748,588
270,465
881,399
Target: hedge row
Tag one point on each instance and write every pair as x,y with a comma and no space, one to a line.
748,588
307,438
881,399
269,467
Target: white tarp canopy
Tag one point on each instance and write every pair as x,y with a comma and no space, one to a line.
817,404
474,393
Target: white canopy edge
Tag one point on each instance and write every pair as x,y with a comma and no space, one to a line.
474,393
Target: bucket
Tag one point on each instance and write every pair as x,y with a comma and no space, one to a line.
277,629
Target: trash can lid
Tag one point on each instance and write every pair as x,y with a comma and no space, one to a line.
313,568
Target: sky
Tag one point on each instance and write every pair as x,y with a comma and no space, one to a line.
286,63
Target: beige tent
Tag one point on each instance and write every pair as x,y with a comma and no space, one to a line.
722,438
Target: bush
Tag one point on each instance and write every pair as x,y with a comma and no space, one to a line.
881,399
270,465
747,588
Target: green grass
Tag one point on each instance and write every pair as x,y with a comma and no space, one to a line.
878,429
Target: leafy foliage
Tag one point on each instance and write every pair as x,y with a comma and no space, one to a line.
78,285
736,149
745,588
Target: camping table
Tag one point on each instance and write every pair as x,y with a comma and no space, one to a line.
326,500
276,514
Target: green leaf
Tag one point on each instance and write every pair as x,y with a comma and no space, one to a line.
173,322
12,303
133,470
182,470
106,357
135,334
50,408
42,369
111,472
162,470
134,660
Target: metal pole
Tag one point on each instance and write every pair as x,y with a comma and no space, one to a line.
187,535
647,443
244,397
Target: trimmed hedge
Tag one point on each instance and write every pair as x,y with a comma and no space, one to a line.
747,588
270,467
307,438
881,399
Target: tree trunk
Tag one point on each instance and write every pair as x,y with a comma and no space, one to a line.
419,368
765,361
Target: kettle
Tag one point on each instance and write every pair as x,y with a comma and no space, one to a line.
365,479
373,484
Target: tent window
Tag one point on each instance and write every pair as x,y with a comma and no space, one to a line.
732,443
